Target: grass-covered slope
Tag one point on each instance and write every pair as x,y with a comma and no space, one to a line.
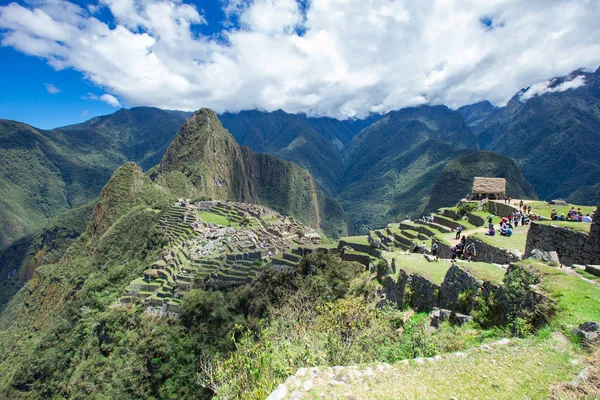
456,179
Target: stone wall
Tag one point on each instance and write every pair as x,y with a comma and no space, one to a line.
572,247
364,248
359,258
501,209
446,222
491,254
475,220
459,281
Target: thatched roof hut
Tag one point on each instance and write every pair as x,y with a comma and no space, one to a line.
493,188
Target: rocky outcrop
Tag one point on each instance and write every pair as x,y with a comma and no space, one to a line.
589,333
572,247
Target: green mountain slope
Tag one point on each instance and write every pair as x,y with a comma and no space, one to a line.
209,157
554,137
393,164
44,173
292,138
456,179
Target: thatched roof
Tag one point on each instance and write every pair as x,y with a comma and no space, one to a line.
489,185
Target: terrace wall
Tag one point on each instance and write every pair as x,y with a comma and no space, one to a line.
572,247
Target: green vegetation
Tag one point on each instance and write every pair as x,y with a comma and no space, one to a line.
417,264
45,173
576,226
217,219
483,271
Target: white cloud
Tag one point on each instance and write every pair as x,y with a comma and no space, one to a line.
353,56
107,98
50,88
551,87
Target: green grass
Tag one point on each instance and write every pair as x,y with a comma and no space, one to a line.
516,241
417,264
576,226
544,209
522,370
587,275
483,271
578,301
356,239
216,219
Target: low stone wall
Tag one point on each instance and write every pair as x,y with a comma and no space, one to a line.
491,254
446,222
501,209
359,258
572,247
450,213
475,220
364,248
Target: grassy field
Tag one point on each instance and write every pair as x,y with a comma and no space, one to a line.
544,209
417,264
483,271
356,239
516,241
216,219
576,226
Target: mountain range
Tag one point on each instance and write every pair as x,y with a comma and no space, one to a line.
379,169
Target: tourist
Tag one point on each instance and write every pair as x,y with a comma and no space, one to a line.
416,248
463,240
471,251
453,250
521,204
490,219
553,215
491,231
458,231
460,248
434,250
509,199
528,209
505,200
587,218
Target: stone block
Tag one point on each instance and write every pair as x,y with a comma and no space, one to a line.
593,269
589,332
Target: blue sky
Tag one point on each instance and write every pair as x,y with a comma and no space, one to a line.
23,78
65,61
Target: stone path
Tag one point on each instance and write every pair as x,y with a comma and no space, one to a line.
316,379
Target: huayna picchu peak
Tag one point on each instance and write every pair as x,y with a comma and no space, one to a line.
295,200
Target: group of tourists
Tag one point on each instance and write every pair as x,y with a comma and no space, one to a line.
572,216
463,250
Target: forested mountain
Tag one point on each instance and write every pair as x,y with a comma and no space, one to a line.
393,164
44,173
553,136
456,179
378,168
